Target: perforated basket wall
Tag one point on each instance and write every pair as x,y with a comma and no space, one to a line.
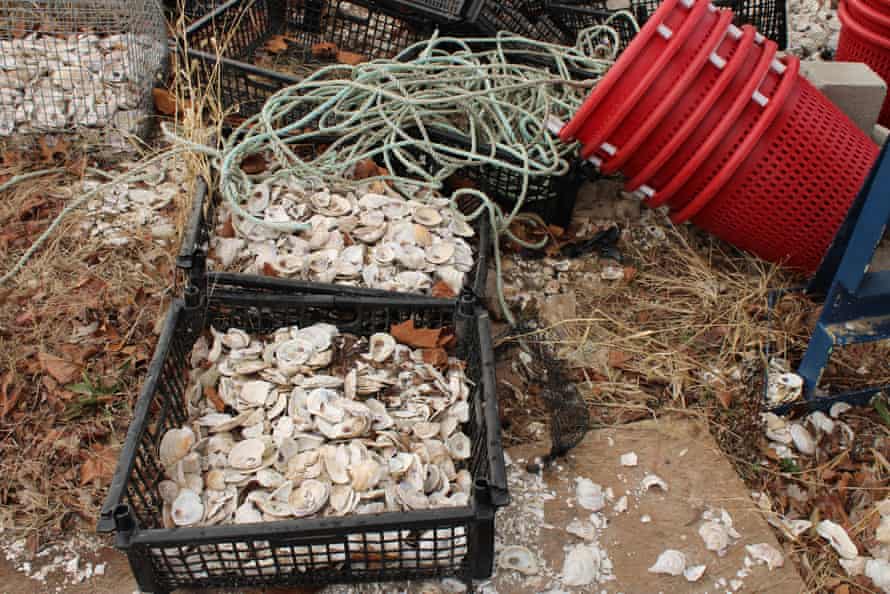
787,201
222,45
314,551
82,67
768,16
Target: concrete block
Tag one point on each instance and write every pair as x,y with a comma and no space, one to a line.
854,87
879,134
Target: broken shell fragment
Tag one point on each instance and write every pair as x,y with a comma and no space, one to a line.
838,538
766,553
247,454
694,573
589,495
175,444
670,562
652,480
518,558
581,566
187,509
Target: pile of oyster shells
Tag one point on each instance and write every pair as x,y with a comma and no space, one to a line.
144,205
364,238
320,424
52,84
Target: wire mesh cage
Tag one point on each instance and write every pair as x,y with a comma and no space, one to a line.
71,66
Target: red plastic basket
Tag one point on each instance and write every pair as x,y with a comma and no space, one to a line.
788,199
662,96
752,129
881,6
690,109
859,44
734,146
869,17
637,81
647,57
718,122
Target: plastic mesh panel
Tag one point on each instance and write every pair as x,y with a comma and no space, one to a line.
853,48
768,16
788,201
686,105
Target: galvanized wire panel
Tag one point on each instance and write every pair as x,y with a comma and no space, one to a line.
67,65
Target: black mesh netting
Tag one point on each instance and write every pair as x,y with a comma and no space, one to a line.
569,415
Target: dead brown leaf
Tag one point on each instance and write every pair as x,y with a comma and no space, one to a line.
435,357
213,396
61,370
842,589
442,290
228,229
725,398
8,398
325,49
276,44
53,148
351,58
253,164
618,358
629,273
99,468
165,101
268,270
365,169
422,338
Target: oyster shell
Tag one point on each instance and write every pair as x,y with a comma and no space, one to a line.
309,498
518,558
187,509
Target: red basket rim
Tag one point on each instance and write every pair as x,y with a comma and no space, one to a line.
859,29
627,57
862,12
746,41
667,103
882,6
717,135
772,110
696,13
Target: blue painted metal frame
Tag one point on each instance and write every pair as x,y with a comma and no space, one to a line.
856,302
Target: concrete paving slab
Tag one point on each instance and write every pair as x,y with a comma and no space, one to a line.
680,451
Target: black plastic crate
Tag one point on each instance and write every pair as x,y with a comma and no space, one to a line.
303,551
574,18
228,37
552,197
523,17
191,262
768,16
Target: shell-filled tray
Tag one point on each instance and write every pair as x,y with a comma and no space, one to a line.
312,439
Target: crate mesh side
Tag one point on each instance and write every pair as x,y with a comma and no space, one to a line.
355,550
167,412
768,16
355,556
